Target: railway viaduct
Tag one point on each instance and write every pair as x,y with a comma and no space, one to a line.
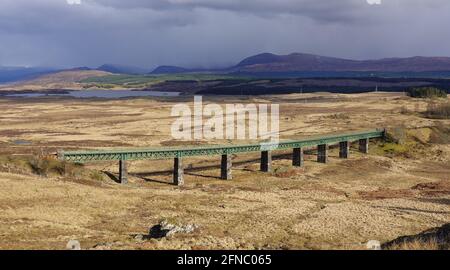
265,148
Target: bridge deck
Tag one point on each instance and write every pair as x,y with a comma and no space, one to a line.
166,153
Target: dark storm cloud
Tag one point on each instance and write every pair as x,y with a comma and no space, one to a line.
216,32
341,10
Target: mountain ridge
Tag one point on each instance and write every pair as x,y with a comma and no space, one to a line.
297,62
122,69
267,64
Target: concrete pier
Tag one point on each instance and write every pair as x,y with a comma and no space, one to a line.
322,153
178,172
225,167
123,173
298,157
364,146
344,149
266,161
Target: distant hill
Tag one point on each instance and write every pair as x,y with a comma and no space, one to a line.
121,69
310,65
169,70
78,69
67,79
265,65
300,62
13,74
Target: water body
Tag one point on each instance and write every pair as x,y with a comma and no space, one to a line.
21,142
108,94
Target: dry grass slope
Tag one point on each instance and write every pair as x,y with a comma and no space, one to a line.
400,188
433,239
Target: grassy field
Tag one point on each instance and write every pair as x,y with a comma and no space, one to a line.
402,187
213,84
221,84
144,81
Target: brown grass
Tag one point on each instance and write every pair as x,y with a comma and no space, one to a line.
384,193
430,244
438,110
434,188
432,239
338,205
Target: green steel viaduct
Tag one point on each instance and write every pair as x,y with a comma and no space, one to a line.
321,142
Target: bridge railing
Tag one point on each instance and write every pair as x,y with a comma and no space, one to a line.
167,153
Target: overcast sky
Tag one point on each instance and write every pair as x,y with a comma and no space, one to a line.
215,33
